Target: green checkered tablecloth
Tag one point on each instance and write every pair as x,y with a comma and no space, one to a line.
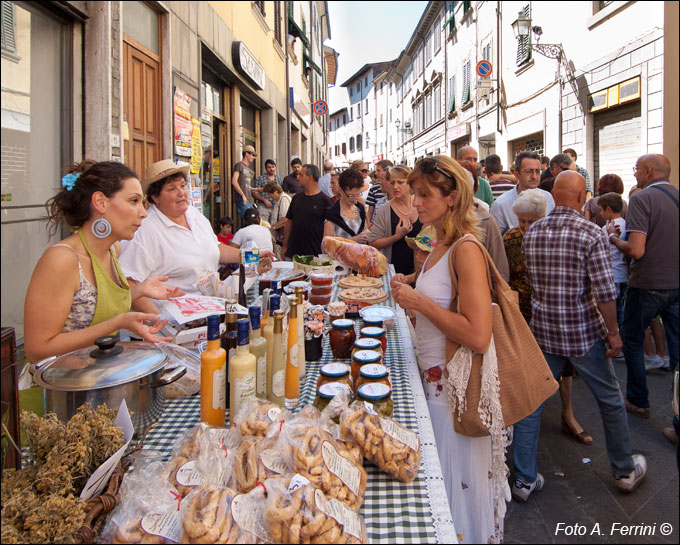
394,512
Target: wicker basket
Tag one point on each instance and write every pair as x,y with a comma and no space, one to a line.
312,268
98,508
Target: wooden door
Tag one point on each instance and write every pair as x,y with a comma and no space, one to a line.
141,106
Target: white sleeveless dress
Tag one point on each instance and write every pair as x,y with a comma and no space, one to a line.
466,461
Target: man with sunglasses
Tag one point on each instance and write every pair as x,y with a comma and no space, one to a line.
560,163
527,170
241,180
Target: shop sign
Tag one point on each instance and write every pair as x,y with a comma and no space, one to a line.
459,131
196,147
377,158
183,125
246,62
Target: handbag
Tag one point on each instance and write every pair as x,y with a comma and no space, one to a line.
523,376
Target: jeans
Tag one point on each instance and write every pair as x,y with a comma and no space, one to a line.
598,374
640,308
621,288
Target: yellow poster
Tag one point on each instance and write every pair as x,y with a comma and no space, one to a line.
196,147
216,166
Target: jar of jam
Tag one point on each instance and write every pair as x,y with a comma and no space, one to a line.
334,372
379,395
361,358
376,333
372,321
321,278
328,391
366,343
342,337
373,373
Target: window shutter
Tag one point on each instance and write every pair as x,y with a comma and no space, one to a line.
8,38
524,43
452,94
466,83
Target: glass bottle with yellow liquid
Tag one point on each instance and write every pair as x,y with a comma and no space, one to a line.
268,334
258,348
242,370
277,377
292,389
213,377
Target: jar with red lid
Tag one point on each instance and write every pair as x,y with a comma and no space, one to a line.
376,333
371,373
321,278
361,358
366,343
334,372
342,337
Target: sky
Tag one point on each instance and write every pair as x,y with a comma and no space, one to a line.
364,32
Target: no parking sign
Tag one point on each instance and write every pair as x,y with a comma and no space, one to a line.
320,107
484,69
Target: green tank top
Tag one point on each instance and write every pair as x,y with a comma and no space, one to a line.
112,299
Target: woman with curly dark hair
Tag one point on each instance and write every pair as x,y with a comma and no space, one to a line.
78,291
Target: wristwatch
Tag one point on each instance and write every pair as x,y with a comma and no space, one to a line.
614,334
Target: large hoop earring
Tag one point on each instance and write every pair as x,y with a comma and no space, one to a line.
101,228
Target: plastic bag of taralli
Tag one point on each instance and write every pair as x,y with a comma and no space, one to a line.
330,415
260,418
312,452
297,512
147,511
256,460
190,383
212,514
198,448
387,444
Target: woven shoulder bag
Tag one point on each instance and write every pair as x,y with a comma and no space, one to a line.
523,377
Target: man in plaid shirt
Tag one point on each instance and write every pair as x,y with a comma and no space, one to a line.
573,317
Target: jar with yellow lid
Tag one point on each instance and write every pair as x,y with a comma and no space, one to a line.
373,373
334,372
341,338
361,358
375,333
379,396
366,343
326,392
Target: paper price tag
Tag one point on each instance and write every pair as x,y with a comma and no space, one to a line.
369,408
188,475
408,437
341,467
298,481
348,519
273,461
165,525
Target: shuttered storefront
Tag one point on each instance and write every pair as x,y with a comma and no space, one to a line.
617,143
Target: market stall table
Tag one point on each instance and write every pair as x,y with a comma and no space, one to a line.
394,512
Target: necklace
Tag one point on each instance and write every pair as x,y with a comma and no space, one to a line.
399,211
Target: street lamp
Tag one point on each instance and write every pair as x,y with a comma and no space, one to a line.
407,126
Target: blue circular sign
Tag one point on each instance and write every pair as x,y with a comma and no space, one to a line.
484,69
320,107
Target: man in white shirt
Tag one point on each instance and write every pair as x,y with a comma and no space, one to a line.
527,170
252,229
325,180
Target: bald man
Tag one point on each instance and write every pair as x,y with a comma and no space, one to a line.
652,226
574,321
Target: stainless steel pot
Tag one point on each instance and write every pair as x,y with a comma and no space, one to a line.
134,371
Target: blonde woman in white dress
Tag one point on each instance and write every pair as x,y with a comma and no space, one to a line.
444,199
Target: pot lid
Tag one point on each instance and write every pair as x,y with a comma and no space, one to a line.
109,365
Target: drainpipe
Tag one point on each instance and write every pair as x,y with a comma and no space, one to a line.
324,87
499,64
446,97
288,112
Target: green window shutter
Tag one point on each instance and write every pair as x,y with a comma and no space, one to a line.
466,83
452,94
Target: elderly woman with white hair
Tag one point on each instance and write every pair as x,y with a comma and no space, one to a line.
530,207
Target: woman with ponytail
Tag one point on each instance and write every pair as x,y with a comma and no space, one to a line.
475,480
78,292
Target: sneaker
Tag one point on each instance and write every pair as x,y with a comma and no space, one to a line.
521,490
629,482
666,362
640,412
653,362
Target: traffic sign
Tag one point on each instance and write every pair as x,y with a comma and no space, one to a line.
484,69
320,107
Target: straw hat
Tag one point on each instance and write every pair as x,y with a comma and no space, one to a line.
425,240
162,169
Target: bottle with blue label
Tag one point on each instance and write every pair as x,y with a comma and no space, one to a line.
250,257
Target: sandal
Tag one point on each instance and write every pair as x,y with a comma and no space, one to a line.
582,437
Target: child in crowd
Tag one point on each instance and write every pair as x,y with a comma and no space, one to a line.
611,205
226,225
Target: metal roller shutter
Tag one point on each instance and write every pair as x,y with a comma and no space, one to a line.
617,143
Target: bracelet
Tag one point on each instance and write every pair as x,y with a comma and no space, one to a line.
610,334
613,235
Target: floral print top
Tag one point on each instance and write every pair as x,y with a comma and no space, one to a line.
518,271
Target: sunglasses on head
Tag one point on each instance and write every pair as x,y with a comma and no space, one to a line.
428,165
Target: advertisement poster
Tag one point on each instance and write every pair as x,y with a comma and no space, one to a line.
183,125
196,147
